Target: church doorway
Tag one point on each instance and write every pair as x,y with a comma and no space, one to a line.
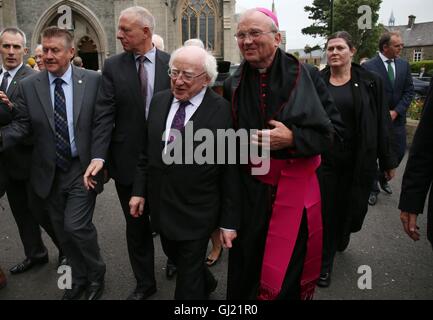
87,51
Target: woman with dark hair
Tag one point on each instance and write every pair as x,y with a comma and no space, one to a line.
349,167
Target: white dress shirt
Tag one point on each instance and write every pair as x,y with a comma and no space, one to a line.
67,87
190,109
12,74
149,65
385,59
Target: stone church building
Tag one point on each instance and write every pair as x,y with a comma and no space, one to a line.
94,24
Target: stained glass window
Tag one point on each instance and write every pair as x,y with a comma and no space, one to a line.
198,21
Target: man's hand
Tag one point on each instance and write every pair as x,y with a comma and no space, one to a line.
4,98
92,170
136,206
389,174
409,224
227,238
280,137
393,114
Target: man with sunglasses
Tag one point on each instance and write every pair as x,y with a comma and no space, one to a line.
278,250
129,80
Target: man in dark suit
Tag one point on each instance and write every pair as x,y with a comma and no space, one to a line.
397,78
57,107
418,176
129,81
16,161
187,201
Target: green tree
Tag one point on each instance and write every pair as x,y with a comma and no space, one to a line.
320,13
346,18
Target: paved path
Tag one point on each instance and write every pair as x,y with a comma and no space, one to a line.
401,269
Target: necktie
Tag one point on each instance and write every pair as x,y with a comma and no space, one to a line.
4,85
142,76
390,71
63,145
179,119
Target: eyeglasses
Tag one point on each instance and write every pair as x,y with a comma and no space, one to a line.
186,76
251,35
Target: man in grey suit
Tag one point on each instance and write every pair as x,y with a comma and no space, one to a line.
129,80
15,162
57,107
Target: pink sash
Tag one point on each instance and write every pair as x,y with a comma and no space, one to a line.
298,189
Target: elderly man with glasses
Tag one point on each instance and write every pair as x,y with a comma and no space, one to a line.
187,201
278,250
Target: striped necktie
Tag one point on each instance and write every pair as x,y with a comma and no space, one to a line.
63,145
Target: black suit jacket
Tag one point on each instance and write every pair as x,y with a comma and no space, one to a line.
418,176
119,125
16,161
35,115
187,201
399,95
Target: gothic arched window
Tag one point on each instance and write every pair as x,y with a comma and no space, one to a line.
199,21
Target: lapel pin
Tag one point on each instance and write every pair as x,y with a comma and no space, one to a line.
356,85
15,82
80,81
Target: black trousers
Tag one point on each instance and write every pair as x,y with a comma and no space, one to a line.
139,240
193,275
398,146
336,176
29,214
71,209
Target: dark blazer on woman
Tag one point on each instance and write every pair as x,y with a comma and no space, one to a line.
372,140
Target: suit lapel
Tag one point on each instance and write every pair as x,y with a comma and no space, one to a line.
78,79
42,86
132,79
159,70
384,73
13,85
205,111
161,117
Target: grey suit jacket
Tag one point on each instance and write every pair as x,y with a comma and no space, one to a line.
16,161
35,116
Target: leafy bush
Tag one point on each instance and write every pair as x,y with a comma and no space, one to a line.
415,109
416,66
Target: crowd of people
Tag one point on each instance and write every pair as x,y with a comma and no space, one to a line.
327,137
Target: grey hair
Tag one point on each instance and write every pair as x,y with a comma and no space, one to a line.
14,30
158,41
144,16
272,24
194,42
209,64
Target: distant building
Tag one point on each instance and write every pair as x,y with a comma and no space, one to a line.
94,24
417,38
316,57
